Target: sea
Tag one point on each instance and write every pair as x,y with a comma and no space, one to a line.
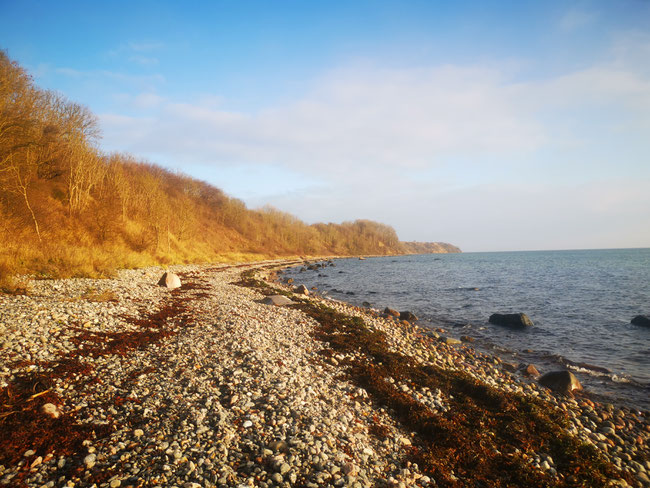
580,301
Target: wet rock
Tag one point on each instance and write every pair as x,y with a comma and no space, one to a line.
517,320
410,316
530,370
301,290
391,312
642,320
560,381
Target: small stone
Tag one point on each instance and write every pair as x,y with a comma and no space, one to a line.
642,477
248,424
29,453
138,433
50,410
278,446
277,478
90,460
284,468
531,370
115,483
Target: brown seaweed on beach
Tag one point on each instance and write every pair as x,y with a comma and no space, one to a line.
487,436
24,427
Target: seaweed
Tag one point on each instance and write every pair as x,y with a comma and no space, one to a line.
24,427
487,435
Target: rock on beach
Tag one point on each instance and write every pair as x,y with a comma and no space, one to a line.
561,381
170,281
234,392
277,300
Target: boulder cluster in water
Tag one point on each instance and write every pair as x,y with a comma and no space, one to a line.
212,384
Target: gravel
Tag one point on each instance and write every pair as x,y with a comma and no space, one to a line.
237,395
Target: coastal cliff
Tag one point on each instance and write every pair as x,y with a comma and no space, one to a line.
414,247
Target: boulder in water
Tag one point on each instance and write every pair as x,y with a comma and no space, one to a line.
519,320
561,382
643,320
277,300
170,281
411,317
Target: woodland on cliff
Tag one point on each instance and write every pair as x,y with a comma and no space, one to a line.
68,209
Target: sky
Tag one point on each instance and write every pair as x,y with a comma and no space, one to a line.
513,125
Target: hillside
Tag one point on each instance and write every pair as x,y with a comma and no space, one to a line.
413,247
67,209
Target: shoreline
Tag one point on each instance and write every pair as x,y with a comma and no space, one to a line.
608,378
205,386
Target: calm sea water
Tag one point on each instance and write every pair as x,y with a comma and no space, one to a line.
580,301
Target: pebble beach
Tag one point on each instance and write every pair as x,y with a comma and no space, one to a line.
121,382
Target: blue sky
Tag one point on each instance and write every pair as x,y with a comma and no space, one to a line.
491,125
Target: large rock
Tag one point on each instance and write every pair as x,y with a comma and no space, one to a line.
277,300
391,312
170,281
560,381
511,319
643,320
407,316
302,290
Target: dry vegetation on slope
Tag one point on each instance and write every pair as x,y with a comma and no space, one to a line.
67,209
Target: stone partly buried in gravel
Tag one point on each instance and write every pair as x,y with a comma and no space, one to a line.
277,300
170,281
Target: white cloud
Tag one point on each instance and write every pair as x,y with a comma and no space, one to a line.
358,120
402,146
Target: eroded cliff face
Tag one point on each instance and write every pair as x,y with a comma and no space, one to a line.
429,247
